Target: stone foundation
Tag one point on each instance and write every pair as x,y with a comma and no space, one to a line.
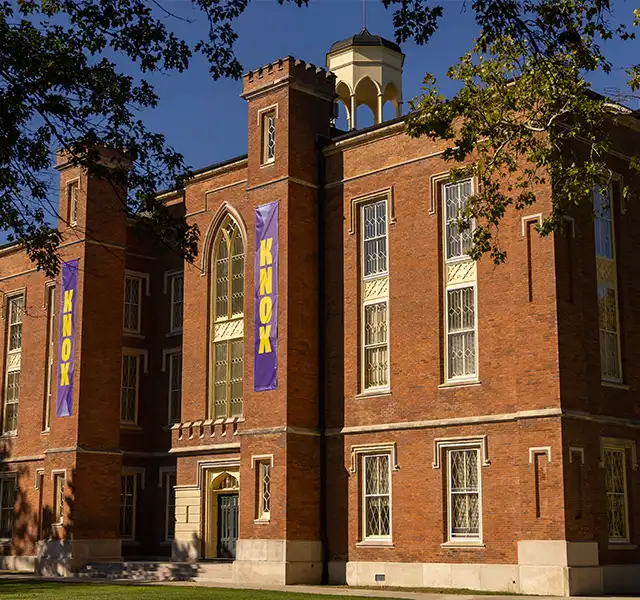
63,558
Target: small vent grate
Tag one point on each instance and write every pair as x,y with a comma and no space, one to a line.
380,577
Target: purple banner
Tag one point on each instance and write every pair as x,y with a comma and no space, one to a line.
67,343
265,355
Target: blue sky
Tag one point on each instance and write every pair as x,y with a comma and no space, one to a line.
207,121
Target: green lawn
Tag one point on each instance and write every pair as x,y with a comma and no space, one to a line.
51,590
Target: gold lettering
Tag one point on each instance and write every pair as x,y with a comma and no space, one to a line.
265,252
66,348
66,325
266,281
266,306
64,374
68,297
265,342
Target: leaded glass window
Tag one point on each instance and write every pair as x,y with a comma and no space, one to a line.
128,505
464,494
58,498
175,387
374,238
171,506
609,342
264,496
603,222
617,501
458,240
73,203
177,301
227,329
129,392
377,496
15,311
51,309
376,347
132,299
7,505
269,137
461,333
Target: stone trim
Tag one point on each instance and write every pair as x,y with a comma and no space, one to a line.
207,449
383,194
281,429
477,441
608,442
384,447
539,450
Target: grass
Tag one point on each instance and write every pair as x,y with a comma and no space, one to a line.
53,590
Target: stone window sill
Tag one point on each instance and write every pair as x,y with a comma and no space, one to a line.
261,521
375,544
457,384
462,545
622,546
380,393
130,427
45,432
613,384
175,333
133,334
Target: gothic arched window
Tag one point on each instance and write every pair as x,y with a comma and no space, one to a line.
227,322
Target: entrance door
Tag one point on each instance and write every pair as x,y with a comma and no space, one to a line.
227,525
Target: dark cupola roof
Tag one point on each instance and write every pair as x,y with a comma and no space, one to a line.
364,38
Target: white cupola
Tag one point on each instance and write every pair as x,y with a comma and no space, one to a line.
368,71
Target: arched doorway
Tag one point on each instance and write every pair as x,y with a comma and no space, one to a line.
222,515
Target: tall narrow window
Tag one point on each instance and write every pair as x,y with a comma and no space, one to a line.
617,501
129,391
269,137
606,268
58,498
7,504
171,506
72,191
50,353
377,496
227,328
177,301
128,493
375,295
464,495
461,332
132,303
175,387
15,311
264,490
460,276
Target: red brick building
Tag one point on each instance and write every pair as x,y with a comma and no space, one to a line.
433,421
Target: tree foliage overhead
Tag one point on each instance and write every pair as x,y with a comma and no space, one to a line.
60,88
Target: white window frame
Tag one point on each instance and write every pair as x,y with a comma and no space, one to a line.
453,539
619,450
13,355
171,489
452,288
72,200
134,475
58,475
264,515
170,356
385,539
176,327
5,477
263,115
363,351
445,184
608,285
137,355
377,200
383,274
50,291
138,280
